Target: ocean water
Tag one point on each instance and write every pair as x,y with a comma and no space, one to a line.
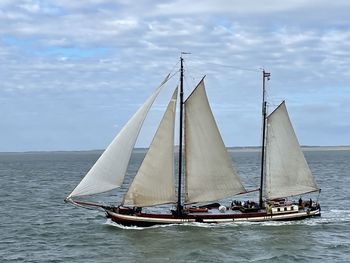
37,226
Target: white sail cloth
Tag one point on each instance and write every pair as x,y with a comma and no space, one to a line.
287,172
209,172
154,182
109,170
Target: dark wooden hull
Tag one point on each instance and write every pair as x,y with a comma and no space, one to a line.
150,219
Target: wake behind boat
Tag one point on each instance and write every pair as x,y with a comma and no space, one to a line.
205,171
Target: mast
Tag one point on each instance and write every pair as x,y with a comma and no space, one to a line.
179,206
266,76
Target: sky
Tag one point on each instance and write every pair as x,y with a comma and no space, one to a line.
73,72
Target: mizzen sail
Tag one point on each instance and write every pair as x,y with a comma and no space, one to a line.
287,172
109,170
154,182
209,172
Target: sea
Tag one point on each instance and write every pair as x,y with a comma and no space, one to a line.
38,226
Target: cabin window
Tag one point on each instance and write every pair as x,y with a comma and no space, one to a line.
285,209
291,208
278,209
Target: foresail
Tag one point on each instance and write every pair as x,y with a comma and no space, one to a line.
287,172
209,172
109,170
154,182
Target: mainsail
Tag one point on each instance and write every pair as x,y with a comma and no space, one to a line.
287,172
209,172
154,182
109,170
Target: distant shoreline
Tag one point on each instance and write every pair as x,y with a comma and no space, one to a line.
304,148
229,149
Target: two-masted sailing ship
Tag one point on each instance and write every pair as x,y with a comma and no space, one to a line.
205,172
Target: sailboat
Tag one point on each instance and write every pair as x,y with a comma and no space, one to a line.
205,172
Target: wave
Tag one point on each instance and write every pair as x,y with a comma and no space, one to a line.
109,222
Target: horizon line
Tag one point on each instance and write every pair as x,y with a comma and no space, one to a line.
145,148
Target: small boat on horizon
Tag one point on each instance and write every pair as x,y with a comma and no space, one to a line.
205,173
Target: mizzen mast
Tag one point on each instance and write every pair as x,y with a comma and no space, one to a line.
266,76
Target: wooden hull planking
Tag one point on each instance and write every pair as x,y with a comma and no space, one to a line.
148,219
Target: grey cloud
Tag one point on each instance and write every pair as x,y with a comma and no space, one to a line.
43,43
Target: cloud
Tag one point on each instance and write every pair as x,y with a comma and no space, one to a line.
111,54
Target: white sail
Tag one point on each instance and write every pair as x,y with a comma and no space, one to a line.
287,172
154,182
209,172
109,170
